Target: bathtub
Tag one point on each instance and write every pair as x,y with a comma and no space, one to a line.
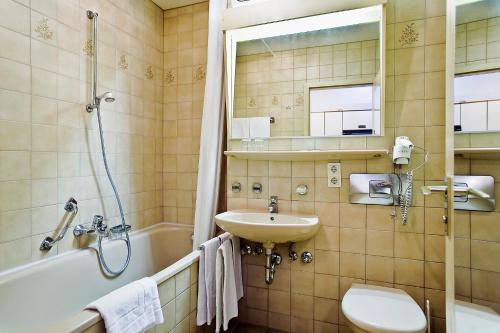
50,295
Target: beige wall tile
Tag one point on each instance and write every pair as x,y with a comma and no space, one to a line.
302,306
352,240
409,245
14,165
484,227
15,225
302,325
326,310
352,216
380,268
485,255
327,238
15,195
326,262
14,135
302,282
257,298
406,10
18,18
434,275
483,285
279,302
380,243
352,265
328,213
326,286
409,272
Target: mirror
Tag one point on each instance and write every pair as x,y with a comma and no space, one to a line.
318,76
477,66
476,264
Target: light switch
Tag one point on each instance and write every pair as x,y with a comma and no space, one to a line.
334,175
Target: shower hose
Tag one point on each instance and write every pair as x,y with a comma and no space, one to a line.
102,261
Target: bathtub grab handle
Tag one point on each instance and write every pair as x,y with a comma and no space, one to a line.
71,208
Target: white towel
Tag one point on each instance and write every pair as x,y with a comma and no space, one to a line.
260,127
226,295
133,308
206,280
238,278
240,128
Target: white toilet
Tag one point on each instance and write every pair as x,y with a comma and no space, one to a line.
375,309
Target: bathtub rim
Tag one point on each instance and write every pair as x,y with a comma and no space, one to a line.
88,318
92,246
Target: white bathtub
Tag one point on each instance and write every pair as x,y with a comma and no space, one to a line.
50,295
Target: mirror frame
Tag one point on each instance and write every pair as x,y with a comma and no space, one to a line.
332,20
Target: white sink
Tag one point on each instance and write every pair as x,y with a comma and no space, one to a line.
268,228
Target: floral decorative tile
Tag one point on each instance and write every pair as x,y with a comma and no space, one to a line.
150,72
409,35
43,30
199,73
88,47
123,64
251,102
299,100
170,76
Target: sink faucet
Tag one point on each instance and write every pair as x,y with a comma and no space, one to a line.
273,204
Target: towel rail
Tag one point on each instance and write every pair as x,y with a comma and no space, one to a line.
221,238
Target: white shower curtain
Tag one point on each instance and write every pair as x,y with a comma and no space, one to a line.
212,129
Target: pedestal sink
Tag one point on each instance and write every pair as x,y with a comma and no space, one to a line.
268,228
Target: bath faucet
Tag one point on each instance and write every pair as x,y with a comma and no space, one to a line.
101,229
273,204
97,226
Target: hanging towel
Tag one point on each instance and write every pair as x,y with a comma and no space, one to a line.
226,295
206,280
238,278
133,308
260,127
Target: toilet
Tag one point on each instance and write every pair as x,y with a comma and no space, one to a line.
375,309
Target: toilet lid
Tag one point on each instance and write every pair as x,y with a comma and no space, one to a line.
380,310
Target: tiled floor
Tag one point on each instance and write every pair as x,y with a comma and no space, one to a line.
246,328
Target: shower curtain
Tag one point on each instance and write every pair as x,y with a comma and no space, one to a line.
212,129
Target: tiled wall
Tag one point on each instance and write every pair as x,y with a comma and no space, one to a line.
478,42
273,85
178,298
358,243
185,41
477,242
49,146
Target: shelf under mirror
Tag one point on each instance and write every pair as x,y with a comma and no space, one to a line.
478,153
309,155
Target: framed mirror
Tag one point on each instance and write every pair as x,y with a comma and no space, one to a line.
318,76
477,66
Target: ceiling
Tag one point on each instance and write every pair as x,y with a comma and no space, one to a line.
346,34
168,4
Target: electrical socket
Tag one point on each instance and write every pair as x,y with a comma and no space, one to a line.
334,175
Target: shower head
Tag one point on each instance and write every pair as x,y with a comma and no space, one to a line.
107,96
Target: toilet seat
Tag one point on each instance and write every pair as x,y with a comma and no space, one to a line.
382,310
